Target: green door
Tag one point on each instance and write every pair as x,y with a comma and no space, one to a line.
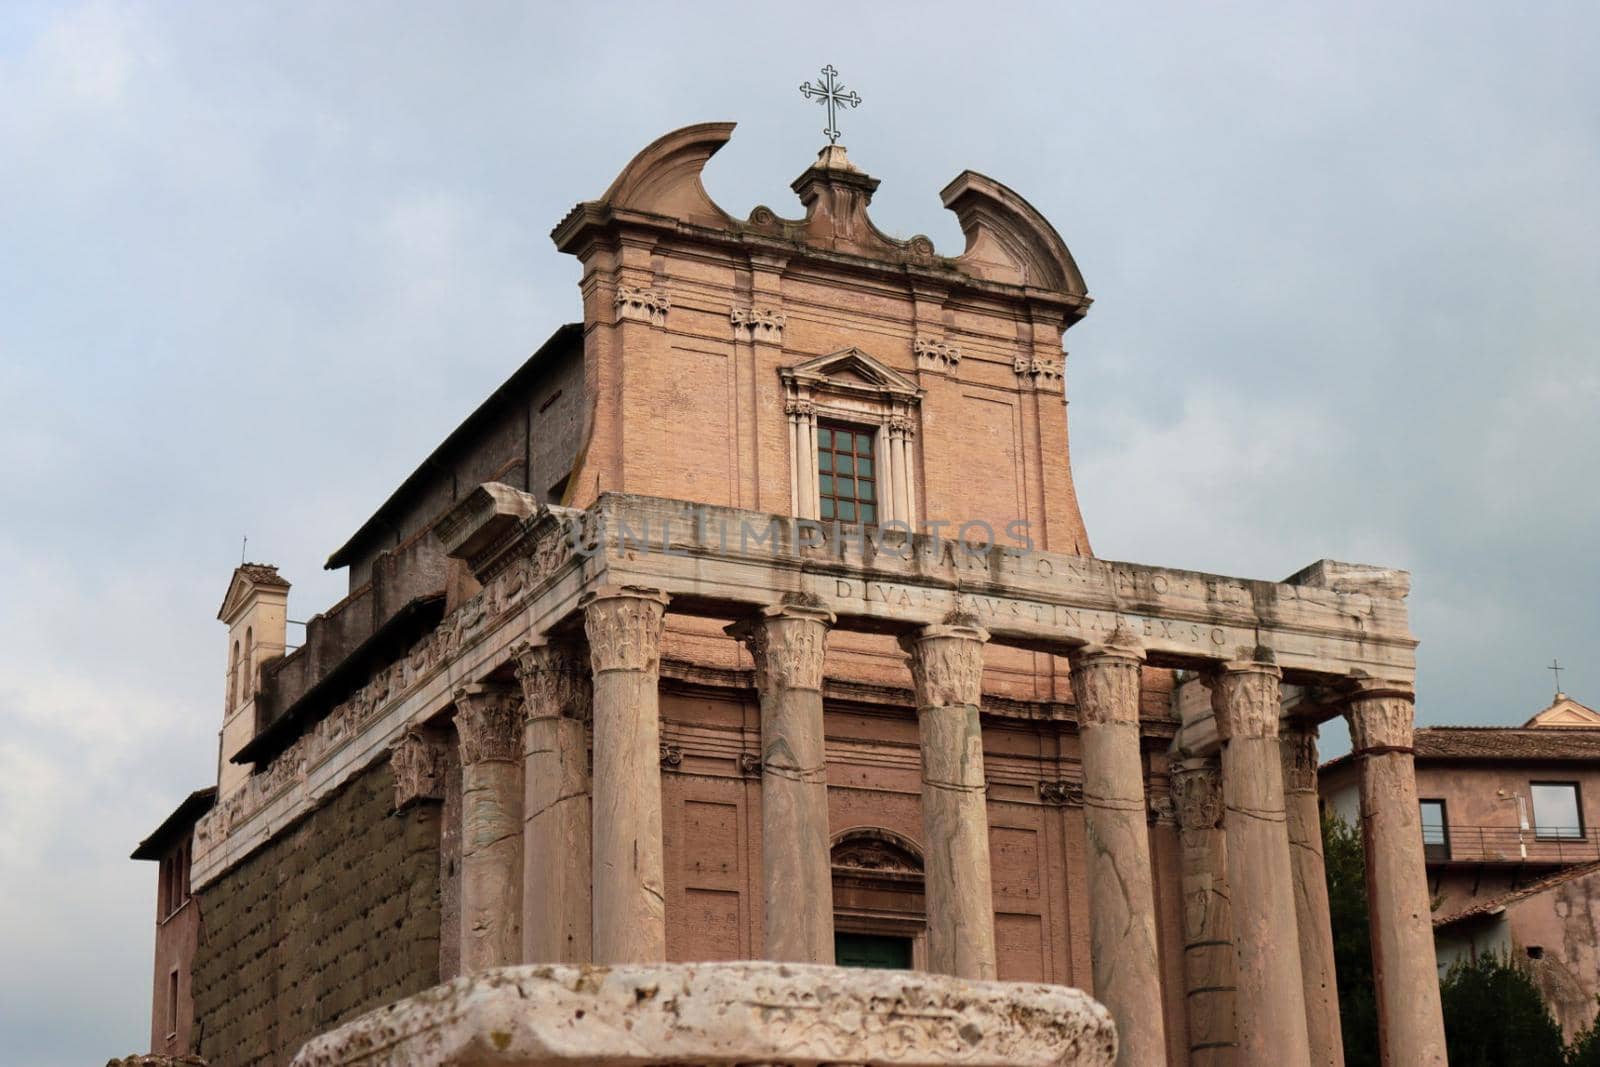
872,950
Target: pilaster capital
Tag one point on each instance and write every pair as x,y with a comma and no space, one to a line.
1105,678
555,681
624,625
1299,757
947,664
1246,698
417,763
489,723
788,643
1382,716
1197,794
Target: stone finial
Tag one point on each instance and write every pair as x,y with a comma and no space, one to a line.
555,681
624,626
788,644
947,664
1382,717
417,763
1245,699
489,722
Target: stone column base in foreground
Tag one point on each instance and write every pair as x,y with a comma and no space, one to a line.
723,1014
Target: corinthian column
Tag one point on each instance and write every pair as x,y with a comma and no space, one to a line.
1410,1021
556,820
489,723
1270,1005
1311,894
787,644
629,910
1122,909
1207,912
947,673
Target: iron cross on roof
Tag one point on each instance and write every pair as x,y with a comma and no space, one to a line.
831,94
1555,665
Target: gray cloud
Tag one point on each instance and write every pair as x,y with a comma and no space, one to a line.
258,260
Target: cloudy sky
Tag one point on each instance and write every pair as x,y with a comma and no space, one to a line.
256,260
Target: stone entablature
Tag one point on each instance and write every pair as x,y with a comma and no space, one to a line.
725,1015
1045,601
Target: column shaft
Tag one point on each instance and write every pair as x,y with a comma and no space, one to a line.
1207,913
1410,1020
629,910
787,644
1270,1005
1122,910
557,850
947,672
1315,924
489,722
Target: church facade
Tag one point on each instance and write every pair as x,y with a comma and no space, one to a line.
754,617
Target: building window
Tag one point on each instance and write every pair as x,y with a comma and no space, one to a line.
1435,831
880,951
847,477
172,1003
1557,814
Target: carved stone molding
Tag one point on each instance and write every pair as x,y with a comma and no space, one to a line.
937,354
1300,758
1382,718
1037,372
750,765
671,755
947,664
903,426
801,408
555,681
758,324
417,763
624,628
643,305
1159,808
1105,679
489,722
1197,795
1246,700
1061,793
788,644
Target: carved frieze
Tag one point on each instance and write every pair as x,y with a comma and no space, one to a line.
758,324
1037,372
1197,796
417,763
788,645
937,354
750,765
643,305
1061,793
947,664
1245,698
671,755
624,628
489,722
555,681
1300,758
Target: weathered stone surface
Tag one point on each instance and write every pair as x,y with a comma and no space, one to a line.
947,671
1122,913
149,1060
1208,965
489,721
1299,747
711,1015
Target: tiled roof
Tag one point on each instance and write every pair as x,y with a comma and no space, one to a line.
1507,743
263,574
1493,904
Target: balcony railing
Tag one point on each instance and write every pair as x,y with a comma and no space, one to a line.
1507,844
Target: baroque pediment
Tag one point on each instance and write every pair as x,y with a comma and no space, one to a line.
851,370
248,577
1566,712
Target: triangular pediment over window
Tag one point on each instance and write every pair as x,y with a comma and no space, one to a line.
1565,711
246,578
850,369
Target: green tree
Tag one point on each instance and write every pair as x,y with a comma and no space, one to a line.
1352,946
1585,1048
1495,1017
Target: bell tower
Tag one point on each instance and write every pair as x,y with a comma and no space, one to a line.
255,611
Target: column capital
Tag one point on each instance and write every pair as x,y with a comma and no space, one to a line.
1197,794
417,764
1105,683
554,680
489,723
1246,699
1299,757
788,643
947,663
1382,715
624,625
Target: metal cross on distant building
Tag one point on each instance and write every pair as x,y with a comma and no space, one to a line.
1555,665
831,94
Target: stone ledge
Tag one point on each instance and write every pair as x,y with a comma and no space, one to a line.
716,1014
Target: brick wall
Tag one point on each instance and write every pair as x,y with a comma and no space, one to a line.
338,915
